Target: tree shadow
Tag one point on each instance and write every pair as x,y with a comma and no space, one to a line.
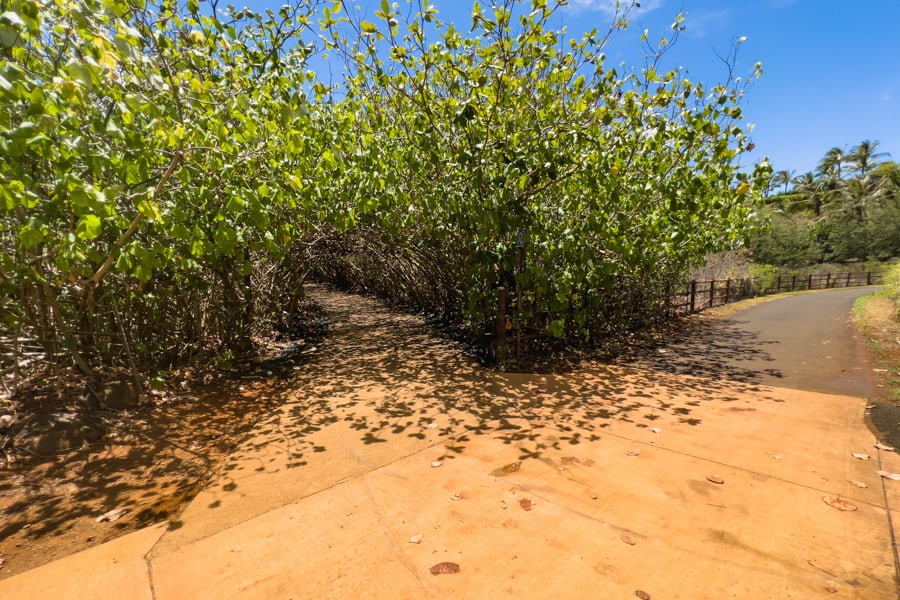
391,386
384,376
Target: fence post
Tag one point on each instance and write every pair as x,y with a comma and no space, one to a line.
869,278
828,281
501,325
727,289
778,285
712,293
809,282
693,295
848,279
794,282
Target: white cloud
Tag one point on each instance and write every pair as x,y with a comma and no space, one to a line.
609,6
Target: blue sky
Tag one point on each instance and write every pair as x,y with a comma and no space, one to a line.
831,67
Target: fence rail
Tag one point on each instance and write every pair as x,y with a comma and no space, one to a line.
699,295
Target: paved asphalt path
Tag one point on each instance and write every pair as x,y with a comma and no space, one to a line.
803,342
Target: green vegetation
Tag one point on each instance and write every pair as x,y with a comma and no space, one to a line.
848,210
892,289
171,175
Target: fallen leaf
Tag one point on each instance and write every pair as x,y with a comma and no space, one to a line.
715,479
444,568
456,497
416,539
839,503
513,467
2,561
568,460
635,452
112,515
436,463
860,456
777,457
593,496
642,594
859,484
587,462
628,540
526,503
655,429
742,409
831,587
881,446
432,426
886,475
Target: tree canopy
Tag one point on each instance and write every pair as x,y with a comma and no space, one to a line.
173,172
848,209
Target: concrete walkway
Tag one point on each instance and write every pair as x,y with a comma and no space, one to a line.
601,483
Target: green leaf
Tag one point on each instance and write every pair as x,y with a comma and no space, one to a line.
89,227
30,236
150,210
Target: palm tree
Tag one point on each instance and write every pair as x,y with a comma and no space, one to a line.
887,179
784,178
864,157
831,163
813,190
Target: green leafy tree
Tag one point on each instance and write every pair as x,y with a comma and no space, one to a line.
510,157
144,148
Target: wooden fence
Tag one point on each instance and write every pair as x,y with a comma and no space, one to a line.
693,297
698,295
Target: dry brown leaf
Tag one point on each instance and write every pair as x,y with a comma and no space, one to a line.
416,539
839,503
112,515
715,479
860,456
642,594
881,446
435,463
2,561
859,484
635,452
628,540
587,462
456,497
741,409
656,430
444,568
831,587
513,467
887,475
526,503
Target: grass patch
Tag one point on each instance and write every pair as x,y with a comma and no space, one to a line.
873,315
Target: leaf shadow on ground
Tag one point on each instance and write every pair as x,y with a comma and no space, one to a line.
151,461
383,385
383,376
